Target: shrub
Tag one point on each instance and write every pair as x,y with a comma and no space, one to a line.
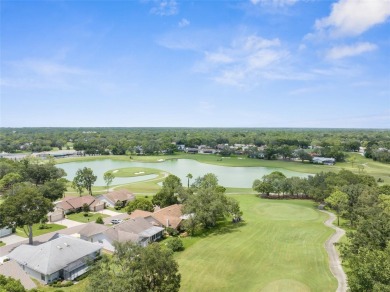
118,205
99,220
86,214
172,231
174,244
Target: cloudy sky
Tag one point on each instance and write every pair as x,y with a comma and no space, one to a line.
168,63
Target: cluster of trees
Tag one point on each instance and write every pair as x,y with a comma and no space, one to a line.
29,188
136,268
120,141
378,154
85,179
367,251
317,187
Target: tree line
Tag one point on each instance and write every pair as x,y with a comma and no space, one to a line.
29,187
151,141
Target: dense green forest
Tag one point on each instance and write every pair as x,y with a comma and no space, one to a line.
152,141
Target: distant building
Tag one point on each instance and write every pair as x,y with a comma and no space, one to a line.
191,150
324,160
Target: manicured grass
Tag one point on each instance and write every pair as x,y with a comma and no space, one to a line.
2,243
51,227
79,217
279,247
134,171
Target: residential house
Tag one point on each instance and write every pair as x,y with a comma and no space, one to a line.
170,216
13,270
75,204
191,150
324,160
137,230
110,199
65,257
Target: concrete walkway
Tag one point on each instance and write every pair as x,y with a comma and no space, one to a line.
334,259
12,238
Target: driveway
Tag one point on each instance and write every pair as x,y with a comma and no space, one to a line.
12,238
68,223
109,212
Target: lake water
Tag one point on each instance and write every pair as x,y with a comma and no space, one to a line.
238,177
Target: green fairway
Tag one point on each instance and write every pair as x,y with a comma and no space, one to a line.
51,227
79,217
134,171
279,247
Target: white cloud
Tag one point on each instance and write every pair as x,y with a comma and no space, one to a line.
40,73
340,52
165,8
353,17
184,22
47,68
246,61
274,2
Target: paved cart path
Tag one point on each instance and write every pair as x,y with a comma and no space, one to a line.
334,259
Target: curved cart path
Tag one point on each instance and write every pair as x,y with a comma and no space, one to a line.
334,259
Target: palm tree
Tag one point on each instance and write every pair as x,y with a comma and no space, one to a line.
189,176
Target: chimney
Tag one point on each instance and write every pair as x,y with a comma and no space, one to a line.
167,222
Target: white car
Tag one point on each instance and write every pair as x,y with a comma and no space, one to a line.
116,221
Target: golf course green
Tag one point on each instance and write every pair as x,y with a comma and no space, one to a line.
278,247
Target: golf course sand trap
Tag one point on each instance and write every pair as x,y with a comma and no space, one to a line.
116,170
141,172
286,285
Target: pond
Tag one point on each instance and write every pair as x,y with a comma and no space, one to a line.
235,177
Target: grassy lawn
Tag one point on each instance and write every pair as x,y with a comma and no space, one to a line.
79,217
2,243
279,247
51,227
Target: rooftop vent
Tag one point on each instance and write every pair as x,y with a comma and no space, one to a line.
59,247
66,244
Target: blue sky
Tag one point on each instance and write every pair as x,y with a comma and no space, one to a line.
151,63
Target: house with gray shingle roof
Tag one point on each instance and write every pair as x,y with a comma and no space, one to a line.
65,257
